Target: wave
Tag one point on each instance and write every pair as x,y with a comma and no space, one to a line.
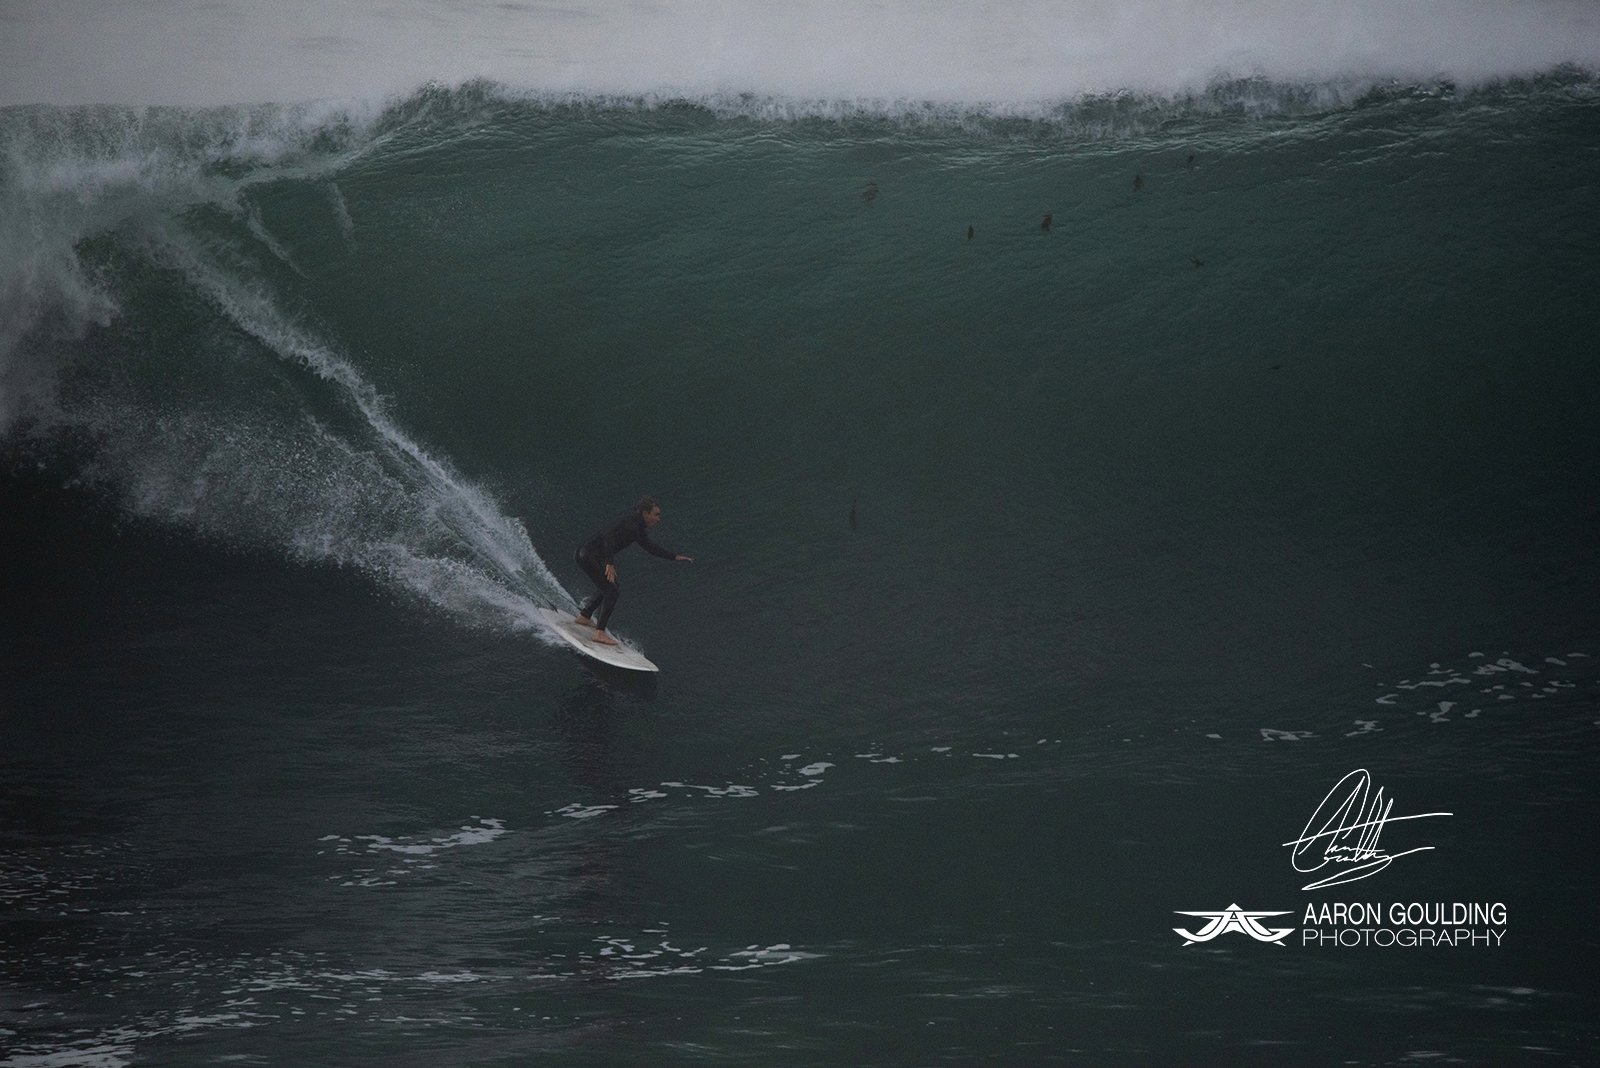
172,281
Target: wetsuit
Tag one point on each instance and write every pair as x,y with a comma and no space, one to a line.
594,554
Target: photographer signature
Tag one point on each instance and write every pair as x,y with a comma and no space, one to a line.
1344,832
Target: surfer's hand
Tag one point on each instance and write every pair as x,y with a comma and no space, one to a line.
611,572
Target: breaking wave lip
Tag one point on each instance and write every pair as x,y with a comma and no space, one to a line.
104,154
1249,95
443,109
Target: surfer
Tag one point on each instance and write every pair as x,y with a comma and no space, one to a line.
1048,219
595,557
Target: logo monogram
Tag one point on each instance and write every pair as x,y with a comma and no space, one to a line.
1233,918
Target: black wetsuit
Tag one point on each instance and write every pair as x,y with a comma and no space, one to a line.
594,554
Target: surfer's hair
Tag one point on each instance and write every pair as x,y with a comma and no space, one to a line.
646,505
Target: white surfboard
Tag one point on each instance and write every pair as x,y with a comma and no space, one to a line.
582,639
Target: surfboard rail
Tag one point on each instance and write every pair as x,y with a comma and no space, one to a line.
581,638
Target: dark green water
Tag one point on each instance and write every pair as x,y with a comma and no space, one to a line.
1277,463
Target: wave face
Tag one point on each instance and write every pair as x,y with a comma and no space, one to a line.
1309,315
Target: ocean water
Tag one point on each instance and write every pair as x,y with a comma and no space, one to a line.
1046,577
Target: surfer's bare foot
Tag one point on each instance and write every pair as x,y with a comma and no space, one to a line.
603,638
583,621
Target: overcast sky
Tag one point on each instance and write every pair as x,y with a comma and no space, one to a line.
234,51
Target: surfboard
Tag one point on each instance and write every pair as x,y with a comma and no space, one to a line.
582,639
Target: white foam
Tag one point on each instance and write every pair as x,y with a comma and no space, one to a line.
584,812
96,1056
69,176
484,831
730,790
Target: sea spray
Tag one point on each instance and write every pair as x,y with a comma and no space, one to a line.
113,215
